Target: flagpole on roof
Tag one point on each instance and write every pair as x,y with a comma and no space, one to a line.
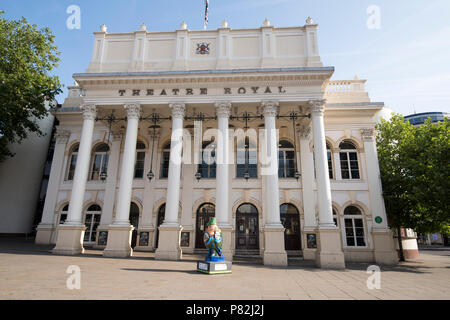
206,14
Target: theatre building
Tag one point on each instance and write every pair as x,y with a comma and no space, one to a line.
165,130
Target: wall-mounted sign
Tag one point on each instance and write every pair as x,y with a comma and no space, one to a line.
102,238
202,48
143,239
202,91
378,219
311,241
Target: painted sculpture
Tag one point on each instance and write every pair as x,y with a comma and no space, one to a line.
213,242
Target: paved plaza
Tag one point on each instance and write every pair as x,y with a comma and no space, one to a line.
28,271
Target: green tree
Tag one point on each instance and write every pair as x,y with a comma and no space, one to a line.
415,174
27,55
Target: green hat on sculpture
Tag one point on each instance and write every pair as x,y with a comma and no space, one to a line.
212,222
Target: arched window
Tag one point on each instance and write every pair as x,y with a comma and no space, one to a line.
247,227
63,214
140,160
204,213
92,220
354,227
208,166
134,215
247,158
335,217
165,159
330,161
290,219
99,161
72,162
286,163
349,160
159,221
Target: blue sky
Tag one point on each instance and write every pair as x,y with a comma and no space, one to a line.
406,61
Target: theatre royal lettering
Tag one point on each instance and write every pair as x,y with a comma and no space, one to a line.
201,91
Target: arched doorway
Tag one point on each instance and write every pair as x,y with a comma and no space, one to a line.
134,221
159,221
247,227
290,219
204,213
92,220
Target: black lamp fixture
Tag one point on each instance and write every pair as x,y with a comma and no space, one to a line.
293,116
198,176
150,174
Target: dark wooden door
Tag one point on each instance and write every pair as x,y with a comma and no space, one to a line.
247,228
204,214
290,219
160,220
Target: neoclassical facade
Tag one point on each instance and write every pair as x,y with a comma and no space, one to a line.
165,130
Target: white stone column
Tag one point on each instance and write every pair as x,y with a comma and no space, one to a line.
71,234
111,182
170,231
119,233
274,247
46,227
384,244
223,213
329,252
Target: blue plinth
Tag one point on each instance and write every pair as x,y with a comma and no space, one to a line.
214,258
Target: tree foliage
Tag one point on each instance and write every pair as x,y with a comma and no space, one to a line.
27,55
415,173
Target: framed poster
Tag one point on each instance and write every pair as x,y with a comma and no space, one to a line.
311,241
143,239
184,239
102,238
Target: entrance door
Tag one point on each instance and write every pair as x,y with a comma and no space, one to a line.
159,221
204,214
290,219
91,222
247,227
134,221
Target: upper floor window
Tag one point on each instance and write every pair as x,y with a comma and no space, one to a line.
286,163
208,166
330,161
140,160
72,162
348,156
247,158
165,160
354,227
99,161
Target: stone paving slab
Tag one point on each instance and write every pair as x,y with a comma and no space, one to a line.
31,272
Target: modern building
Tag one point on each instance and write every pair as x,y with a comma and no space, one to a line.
419,118
21,177
132,171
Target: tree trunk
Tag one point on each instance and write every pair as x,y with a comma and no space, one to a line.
400,246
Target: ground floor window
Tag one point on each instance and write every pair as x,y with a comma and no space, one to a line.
159,221
354,227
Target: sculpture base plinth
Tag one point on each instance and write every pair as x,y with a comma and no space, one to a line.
211,267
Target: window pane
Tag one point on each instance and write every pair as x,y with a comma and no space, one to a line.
73,162
350,241
281,159
358,223
139,167
105,163
165,164
96,167
361,242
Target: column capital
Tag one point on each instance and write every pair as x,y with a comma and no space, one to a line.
178,109
89,111
305,132
133,110
317,106
223,109
62,136
270,108
368,134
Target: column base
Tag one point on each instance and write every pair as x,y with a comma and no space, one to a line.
385,252
44,234
329,254
119,242
169,243
70,240
274,249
